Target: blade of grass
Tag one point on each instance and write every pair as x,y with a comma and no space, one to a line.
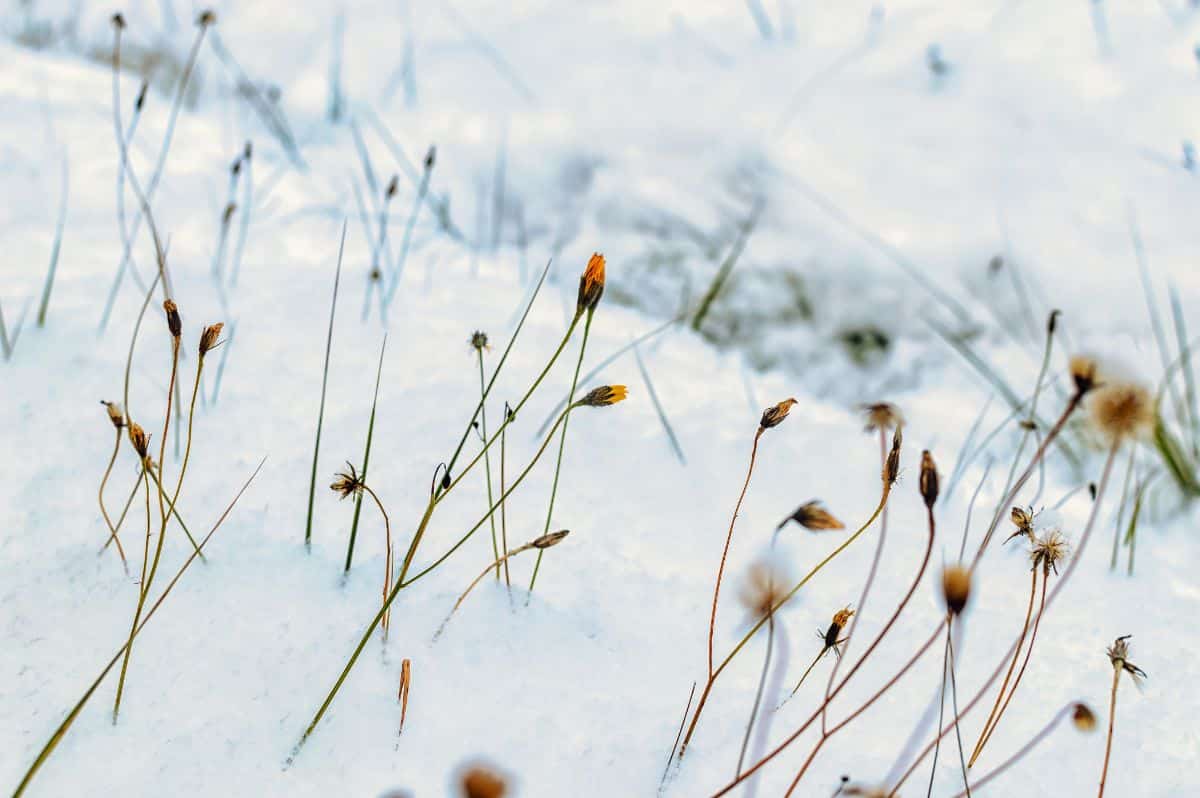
726,268
312,486
57,248
1189,375
658,408
366,457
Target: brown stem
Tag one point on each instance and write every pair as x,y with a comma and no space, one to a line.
112,530
125,511
1112,717
1022,751
387,568
808,670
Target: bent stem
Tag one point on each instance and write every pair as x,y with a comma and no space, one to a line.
128,649
387,560
808,670
474,582
1021,752
112,530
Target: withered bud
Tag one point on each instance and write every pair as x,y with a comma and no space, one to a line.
479,340
591,284
141,96
1051,327
347,483
229,211
891,470
929,479
174,323
1022,519
840,619
118,21
114,413
446,480
482,782
550,539
812,515
207,17
430,157
392,187
774,415
1083,373
1083,717
139,439
956,587
603,396
209,338
881,416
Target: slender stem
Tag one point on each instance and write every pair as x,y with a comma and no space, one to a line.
987,725
762,681
366,458
962,759
137,483
808,670
503,507
1021,752
941,707
173,510
712,621
1112,719
312,485
187,451
562,445
137,613
475,582
487,463
112,531
162,455
387,560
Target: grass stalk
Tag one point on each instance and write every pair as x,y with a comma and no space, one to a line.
487,466
112,530
57,248
366,458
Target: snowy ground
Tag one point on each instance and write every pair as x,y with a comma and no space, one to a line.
648,134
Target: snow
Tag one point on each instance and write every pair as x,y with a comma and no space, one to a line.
646,132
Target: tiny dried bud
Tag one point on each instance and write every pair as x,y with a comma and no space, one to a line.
229,211
1051,327
347,483
392,186
1083,373
446,480
481,782
206,18
591,284
479,340
603,396
235,168
1083,717
774,415
139,439
929,479
114,414
430,157
956,587
840,619
812,515
118,21
891,469
550,539
174,323
141,96
209,339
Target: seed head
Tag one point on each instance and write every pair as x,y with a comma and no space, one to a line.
174,323
479,340
206,18
1083,717
1118,655
891,469
929,479
764,586
115,415
482,782
603,396
1023,521
882,416
1048,550
1122,410
139,439
813,516
550,539
347,483
956,588
591,285
842,617
1083,373
210,338
774,415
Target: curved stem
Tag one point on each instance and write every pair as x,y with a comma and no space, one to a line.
1022,751
808,670
137,613
475,582
503,510
112,530
962,758
137,483
387,560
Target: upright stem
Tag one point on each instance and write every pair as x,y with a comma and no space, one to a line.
137,613
487,461
387,560
1021,752
762,681
1112,718
187,451
562,445
503,509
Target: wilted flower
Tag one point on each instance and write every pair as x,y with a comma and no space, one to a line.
765,585
1118,655
1048,550
479,340
603,396
882,416
833,633
139,439
774,415
347,483
1083,717
1023,520
1083,373
210,338
813,515
1121,410
891,468
956,588
550,539
174,323
114,414
929,479
591,285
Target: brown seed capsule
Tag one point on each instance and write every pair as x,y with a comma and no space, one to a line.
210,338
347,483
1083,718
956,588
929,479
114,414
1051,327
139,439
812,515
550,539
392,186
891,469
230,209
591,284
482,782
1083,373
603,396
206,18
774,415
174,323
1122,410
141,96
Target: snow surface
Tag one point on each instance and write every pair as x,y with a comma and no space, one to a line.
647,132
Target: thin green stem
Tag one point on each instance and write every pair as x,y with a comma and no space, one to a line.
112,530
312,485
503,506
487,462
808,670
475,582
138,612
758,694
366,459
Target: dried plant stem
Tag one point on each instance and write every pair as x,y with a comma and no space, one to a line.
562,445
366,458
73,714
172,510
712,621
128,649
487,466
387,568
112,530
503,506
187,451
1112,718
476,581
758,694
312,485
962,757
987,724
1021,752
786,598
121,519
1112,565
808,670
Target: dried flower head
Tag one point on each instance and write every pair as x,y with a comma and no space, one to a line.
882,416
956,588
479,340
891,468
812,515
210,338
1022,519
603,396
206,18
1118,655
1122,410
832,636
929,479
591,285
115,415
774,415
550,539
174,323
483,782
347,483
1083,717
139,439
764,586
1083,373
1048,550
